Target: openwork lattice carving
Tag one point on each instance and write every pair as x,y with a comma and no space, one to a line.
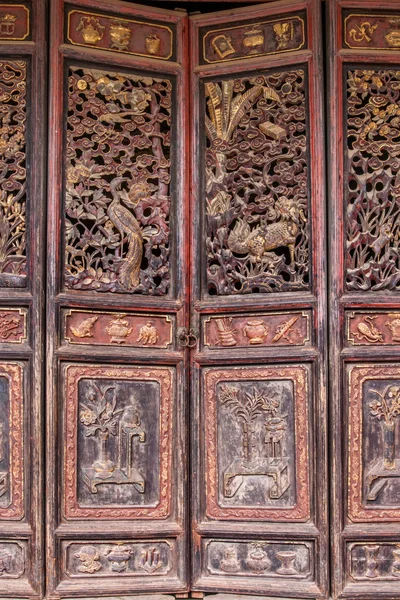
257,184
373,195
117,201
12,172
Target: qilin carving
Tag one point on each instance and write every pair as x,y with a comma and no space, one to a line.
363,32
247,406
117,200
258,558
257,184
148,334
101,416
385,408
373,195
13,99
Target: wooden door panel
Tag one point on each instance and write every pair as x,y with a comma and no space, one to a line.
258,301
118,296
365,371
22,147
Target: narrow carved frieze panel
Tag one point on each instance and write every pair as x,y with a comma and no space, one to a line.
369,328
11,441
257,443
256,177
118,559
372,181
13,325
119,450
372,31
116,34
370,561
13,184
258,329
259,558
14,22
117,182
374,456
254,39
117,329
12,559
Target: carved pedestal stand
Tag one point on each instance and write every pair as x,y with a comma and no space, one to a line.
271,467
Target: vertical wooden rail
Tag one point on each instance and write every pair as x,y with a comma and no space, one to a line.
364,232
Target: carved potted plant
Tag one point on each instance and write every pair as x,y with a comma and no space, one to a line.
100,417
386,409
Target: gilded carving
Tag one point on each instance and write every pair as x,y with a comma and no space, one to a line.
12,325
393,35
259,558
256,225
258,410
14,22
118,329
85,327
117,211
363,32
367,330
253,40
118,419
123,558
373,198
7,24
222,45
13,99
394,325
120,35
374,467
281,329
91,29
153,44
284,33
89,559
148,334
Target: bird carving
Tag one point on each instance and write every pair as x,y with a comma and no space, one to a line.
130,229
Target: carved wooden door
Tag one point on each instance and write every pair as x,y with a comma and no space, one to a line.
258,378
365,332
117,297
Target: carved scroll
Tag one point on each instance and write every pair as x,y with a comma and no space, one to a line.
257,184
13,75
117,189
373,195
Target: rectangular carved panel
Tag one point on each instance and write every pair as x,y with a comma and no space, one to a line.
372,182
13,325
257,443
254,39
14,22
259,329
13,183
151,558
259,558
117,34
372,31
11,441
117,188
374,459
369,561
119,451
256,170
117,329
12,559
369,327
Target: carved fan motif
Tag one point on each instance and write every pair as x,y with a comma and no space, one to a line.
257,184
117,200
373,194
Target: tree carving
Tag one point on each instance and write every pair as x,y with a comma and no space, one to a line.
117,188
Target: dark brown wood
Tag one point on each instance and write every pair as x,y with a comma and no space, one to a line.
23,93
117,392
364,376
258,265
